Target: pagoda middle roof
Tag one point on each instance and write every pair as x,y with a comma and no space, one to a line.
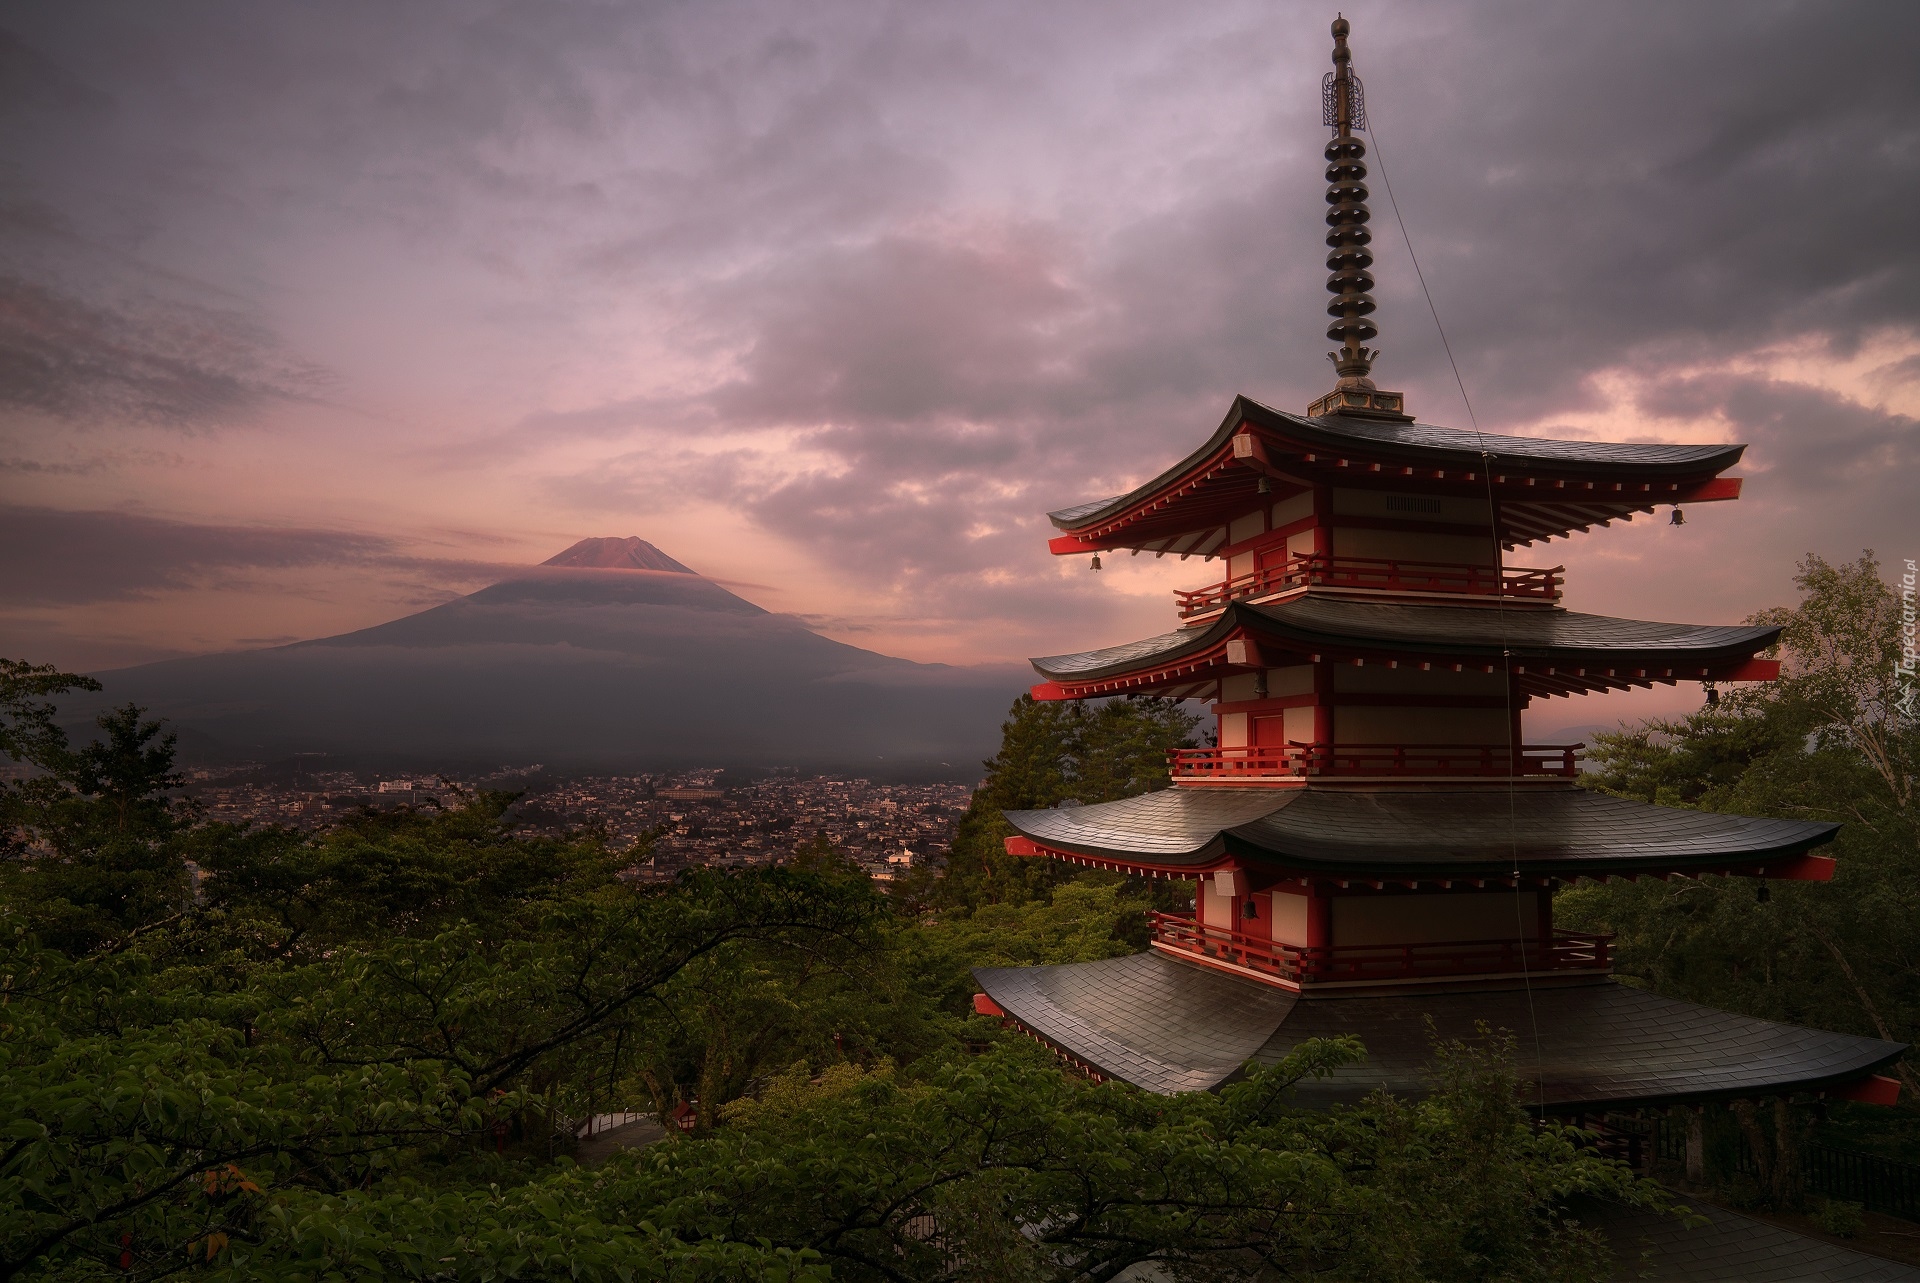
1314,624
1168,1026
1421,833
1421,445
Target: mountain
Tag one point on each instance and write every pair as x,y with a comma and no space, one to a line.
611,655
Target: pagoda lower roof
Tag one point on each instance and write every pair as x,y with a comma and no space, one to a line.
1337,627
1433,833
1720,1246
1170,1026
1545,487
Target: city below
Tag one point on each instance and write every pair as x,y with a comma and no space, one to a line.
700,817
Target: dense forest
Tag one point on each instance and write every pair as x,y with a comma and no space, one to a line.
254,1053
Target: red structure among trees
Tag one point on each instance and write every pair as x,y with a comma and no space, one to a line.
1371,843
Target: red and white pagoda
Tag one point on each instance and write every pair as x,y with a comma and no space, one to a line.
1373,846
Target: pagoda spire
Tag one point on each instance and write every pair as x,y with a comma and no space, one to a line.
1344,110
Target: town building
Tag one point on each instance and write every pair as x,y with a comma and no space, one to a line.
1373,847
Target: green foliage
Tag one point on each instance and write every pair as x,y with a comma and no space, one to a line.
128,1089
1001,1167
1052,753
93,843
380,875
1087,919
363,1053
1839,1218
28,731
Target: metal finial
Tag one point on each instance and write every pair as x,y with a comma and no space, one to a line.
1343,111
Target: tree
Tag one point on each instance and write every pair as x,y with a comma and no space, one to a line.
133,1095
95,847
1002,1167
362,1053
1051,753
28,732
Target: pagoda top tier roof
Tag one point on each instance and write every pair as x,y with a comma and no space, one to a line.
1169,1026
1422,834
1543,487
1555,651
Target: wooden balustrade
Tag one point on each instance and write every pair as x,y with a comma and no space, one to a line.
1297,759
1379,573
1333,964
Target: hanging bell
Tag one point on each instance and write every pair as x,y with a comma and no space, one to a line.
1679,518
1265,487
1763,894
1096,561
1713,695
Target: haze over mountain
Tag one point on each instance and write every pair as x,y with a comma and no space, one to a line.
610,655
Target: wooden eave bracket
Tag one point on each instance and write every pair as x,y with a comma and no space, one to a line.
985,1006
1712,490
1243,651
1874,1089
1808,868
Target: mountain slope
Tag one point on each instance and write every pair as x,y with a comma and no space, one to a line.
611,655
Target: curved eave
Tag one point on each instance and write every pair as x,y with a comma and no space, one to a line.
1545,488
1413,836
1551,652
1168,1026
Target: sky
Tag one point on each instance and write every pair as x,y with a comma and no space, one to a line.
312,316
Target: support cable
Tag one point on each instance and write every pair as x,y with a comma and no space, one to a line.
1500,608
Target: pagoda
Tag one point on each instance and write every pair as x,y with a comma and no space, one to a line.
1374,849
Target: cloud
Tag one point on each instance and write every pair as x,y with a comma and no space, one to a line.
181,367
886,282
69,557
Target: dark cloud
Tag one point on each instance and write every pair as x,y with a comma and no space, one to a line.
177,367
65,557
921,273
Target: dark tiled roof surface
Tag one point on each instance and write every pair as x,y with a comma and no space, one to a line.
1180,825
1335,623
1465,441
1167,1025
1333,617
1729,1248
1585,1044
1447,447
1476,832
1118,658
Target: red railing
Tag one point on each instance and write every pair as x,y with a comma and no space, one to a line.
1295,759
1385,574
1332,964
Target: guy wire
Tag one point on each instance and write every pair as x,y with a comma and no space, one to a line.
1500,616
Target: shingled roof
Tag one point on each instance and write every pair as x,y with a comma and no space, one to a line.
1339,626
1423,443
1424,833
1168,1026
1728,1248
1556,486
